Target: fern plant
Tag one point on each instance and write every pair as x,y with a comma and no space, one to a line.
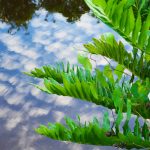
110,87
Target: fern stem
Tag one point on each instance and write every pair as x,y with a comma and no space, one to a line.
114,68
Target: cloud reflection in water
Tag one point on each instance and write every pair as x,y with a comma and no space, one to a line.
22,107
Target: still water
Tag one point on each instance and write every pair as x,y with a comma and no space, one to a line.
32,34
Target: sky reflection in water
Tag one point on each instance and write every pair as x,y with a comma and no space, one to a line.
22,107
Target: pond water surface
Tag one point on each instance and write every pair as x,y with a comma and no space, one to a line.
32,34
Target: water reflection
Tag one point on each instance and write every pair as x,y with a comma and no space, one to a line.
72,9
23,107
18,12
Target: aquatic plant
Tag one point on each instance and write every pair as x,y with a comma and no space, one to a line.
110,87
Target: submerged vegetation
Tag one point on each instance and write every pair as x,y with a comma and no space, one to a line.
110,87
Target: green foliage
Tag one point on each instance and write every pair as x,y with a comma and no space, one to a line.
137,131
126,128
96,134
128,109
119,71
145,132
107,46
106,122
85,62
100,88
130,18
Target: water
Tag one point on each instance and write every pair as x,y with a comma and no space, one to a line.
33,34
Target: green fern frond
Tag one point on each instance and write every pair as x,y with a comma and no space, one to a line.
99,88
80,87
96,134
107,46
57,72
130,18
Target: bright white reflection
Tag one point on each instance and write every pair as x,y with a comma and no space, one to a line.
4,112
13,119
3,89
35,112
15,99
63,101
